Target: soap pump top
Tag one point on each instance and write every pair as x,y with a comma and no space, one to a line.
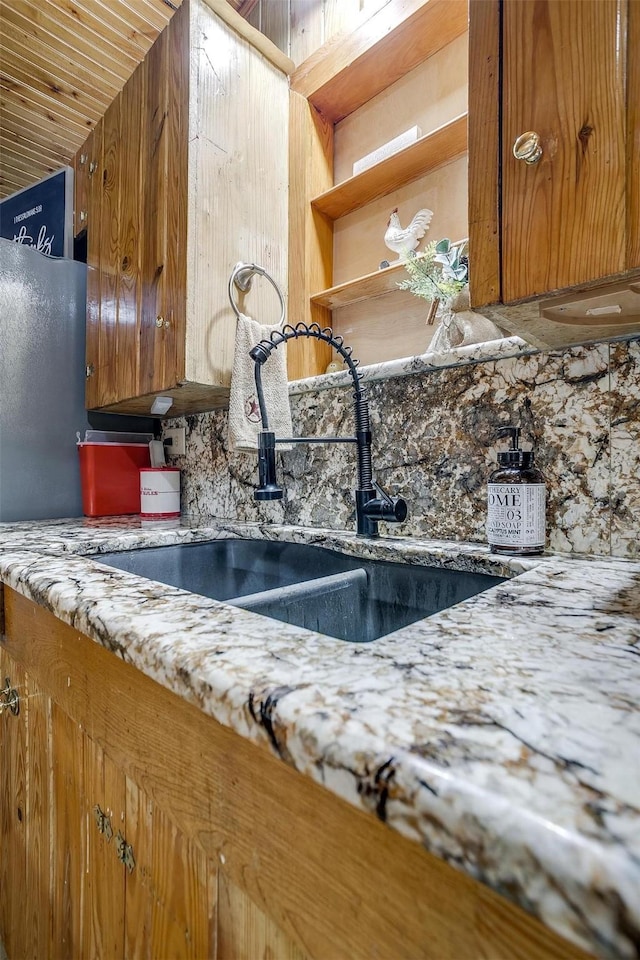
515,456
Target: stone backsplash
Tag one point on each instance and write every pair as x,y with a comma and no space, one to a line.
435,444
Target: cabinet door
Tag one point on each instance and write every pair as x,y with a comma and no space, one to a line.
13,827
94,210
563,78
24,818
171,892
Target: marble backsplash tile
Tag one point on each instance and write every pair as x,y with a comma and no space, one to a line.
435,444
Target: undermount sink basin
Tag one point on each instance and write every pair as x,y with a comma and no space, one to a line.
340,596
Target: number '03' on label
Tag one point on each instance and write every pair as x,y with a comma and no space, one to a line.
516,514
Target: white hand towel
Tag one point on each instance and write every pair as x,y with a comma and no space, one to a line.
244,413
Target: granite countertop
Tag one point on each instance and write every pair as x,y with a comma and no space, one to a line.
503,733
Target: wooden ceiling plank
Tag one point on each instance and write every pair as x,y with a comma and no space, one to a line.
41,104
53,35
136,16
97,24
47,114
65,143
57,70
13,24
17,169
44,82
30,152
157,12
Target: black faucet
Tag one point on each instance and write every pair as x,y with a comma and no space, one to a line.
372,503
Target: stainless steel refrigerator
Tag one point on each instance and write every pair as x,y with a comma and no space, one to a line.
42,358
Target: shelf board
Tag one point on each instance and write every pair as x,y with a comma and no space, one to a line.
364,288
351,69
429,152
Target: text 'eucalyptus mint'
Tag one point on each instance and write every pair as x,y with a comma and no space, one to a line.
516,496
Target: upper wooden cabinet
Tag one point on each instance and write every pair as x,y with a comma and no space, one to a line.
353,95
187,176
569,219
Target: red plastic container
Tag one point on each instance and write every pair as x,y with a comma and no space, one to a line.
110,477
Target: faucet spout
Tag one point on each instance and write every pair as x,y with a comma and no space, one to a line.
372,503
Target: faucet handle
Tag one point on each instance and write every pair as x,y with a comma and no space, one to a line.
268,489
391,509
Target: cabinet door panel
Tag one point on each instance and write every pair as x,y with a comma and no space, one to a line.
109,262
130,236
13,811
94,208
245,932
103,934
171,893
154,205
68,853
564,78
38,829
633,137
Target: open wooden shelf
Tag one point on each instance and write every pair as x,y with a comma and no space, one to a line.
351,69
363,288
428,153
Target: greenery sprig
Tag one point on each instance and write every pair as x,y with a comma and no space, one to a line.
441,270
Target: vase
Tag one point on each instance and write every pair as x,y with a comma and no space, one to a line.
459,326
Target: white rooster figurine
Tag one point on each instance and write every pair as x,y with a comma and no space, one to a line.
404,240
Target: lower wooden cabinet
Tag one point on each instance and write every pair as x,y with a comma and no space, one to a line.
228,852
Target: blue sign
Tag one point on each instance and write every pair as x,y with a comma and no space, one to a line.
41,216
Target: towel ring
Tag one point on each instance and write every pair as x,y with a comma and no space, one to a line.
242,278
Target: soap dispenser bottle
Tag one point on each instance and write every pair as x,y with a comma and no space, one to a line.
516,496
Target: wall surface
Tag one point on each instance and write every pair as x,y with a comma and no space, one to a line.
434,444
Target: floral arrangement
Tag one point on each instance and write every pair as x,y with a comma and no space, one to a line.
441,271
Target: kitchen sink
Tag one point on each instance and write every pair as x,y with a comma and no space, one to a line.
341,596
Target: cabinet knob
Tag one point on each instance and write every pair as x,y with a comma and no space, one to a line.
161,322
527,147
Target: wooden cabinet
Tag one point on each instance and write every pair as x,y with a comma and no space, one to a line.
367,87
237,856
570,218
189,177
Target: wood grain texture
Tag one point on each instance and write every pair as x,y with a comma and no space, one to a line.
70,825
563,78
428,153
38,834
386,327
246,31
244,932
104,916
80,191
13,817
187,398
632,253
310,233
110,177
176,214
63,63
238,189
131,237
93,149
366,288
358,237
350,69
484,151
154,189
171,893
334,880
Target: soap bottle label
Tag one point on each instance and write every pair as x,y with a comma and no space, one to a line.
516,514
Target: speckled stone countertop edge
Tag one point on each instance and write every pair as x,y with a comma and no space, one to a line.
390,726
